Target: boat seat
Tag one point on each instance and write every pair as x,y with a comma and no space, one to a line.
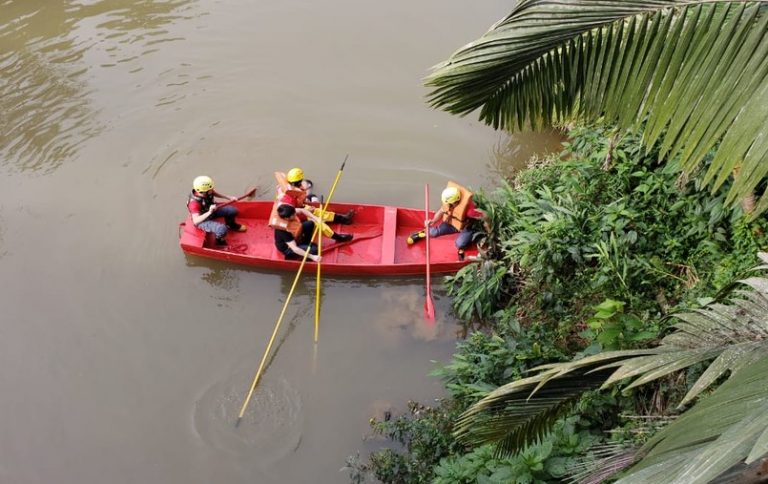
389,236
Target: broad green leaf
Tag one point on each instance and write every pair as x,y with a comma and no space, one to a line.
732,358
759,449
693,73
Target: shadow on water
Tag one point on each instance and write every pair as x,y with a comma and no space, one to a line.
221,275
45,97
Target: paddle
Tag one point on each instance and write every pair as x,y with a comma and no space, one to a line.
251,191
429,306
285,305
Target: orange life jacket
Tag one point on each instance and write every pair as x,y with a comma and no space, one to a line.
285,188
292,225
457,214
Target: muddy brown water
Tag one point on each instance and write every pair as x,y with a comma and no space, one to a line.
122,360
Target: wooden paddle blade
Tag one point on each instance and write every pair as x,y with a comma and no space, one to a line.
247,194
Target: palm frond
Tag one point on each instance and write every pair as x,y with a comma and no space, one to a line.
725,428
514,422
518,414
695,71
602,462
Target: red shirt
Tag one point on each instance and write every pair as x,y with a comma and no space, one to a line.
472,211
194,206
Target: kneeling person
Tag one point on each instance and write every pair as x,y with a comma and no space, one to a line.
293,188
292,236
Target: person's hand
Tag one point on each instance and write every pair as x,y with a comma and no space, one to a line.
212,209
232,199
427,222
316,258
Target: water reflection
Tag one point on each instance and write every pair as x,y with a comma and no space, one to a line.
219,268
46,106
513,152
395,310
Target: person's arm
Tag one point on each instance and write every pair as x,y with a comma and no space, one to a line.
299,251
202,217
311,216
437,217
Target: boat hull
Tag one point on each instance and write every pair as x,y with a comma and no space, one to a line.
379,247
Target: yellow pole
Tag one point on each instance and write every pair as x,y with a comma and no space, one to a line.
285,305
335,182
323,209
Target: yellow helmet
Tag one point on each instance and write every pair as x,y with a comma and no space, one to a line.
295,175
202,183
450,195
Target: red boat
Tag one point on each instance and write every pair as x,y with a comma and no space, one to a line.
379,246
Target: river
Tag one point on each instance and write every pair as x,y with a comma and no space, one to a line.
122,360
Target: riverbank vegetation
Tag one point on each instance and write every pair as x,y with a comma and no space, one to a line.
615,328
589,251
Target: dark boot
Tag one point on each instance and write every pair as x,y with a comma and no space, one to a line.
342,237
415,237
344,218
461,254
221,241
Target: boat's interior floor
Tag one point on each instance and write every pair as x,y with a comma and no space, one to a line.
367,247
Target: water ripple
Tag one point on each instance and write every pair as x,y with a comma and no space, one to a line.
271,427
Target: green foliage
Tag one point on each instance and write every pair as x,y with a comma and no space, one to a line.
478,290
732,339
613,329
604,222
541,463
425,434
484,362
